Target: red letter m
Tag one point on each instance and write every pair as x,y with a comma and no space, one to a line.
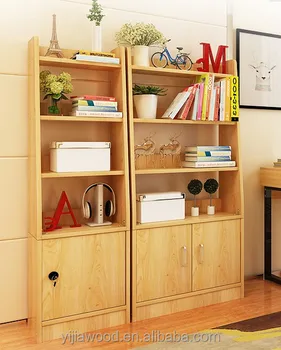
220,59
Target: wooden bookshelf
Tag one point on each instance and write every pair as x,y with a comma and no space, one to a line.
183,122
64,118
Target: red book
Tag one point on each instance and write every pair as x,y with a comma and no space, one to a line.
186,107
93,98
217,104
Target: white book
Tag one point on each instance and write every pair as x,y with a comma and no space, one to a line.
97,114
99,59
176,105
222,100
209,164
195,104
212,105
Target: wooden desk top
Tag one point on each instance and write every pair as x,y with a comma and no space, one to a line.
270,177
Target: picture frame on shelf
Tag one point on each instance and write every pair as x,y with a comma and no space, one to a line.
258,56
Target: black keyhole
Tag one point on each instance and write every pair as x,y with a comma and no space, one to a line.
53,276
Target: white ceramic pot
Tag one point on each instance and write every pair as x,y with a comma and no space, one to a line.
146,106
141,55
194,211
211,210
96,38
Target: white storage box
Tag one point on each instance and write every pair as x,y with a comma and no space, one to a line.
79,156
162,206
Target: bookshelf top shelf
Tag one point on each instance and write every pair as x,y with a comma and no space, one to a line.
69,63
171,72
52,175
177,121
65,118
182,170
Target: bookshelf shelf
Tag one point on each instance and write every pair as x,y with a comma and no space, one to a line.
53,175
203,218
83,230
80,119
182,170
171,72
177,122
69,63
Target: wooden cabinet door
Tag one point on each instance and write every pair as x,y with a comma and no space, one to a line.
91,274
163,262
216,254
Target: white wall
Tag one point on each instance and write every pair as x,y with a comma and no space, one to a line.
261,142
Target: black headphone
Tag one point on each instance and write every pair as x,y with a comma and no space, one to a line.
110,206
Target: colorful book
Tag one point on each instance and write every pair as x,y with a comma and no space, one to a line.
97,114
93,97
195,104
94,108
206,80
96,53
209,87
234,98
176,105
94,103
209,154
208,164
183,113
207,148
217,103
200,102
212,105
207,159
227,100
97,59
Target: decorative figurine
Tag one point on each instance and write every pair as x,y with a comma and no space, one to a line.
195,187
52,222
211,186
147,148
54,48
173,148
219,61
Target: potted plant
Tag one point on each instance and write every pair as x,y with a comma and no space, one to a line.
96,15
55,87
146,99
211,186
140,36
195,187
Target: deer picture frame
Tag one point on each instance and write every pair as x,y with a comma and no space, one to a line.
259,69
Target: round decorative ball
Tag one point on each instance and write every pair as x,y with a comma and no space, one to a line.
211,186
195,187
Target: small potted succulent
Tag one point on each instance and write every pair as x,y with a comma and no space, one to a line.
96,15
139,36
146,99
55,87
211,186
195,187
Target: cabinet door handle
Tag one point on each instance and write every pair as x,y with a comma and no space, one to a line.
183,256
201,253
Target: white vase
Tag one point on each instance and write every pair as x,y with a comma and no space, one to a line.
211,210
194,211
141,55
146,106
96,38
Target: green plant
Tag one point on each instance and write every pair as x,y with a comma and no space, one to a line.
96,14
211,186
195,187
148,90
139,34
55,86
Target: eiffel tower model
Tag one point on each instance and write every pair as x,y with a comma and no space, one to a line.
54,48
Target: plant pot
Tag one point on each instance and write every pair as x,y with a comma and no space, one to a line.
146,106
211,210
96,38
194,211
141,56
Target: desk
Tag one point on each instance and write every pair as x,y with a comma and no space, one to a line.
270,179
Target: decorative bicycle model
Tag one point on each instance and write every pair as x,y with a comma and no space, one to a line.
162,59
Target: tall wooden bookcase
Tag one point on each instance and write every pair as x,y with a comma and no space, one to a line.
93,288
183,264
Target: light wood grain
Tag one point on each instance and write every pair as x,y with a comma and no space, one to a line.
270,177
216,254
87,266
178,121
183,170
51,175
80,119
163,262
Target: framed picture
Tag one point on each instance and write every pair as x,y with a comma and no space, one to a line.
259,69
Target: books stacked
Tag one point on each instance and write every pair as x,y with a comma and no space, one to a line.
93,56
208,157
95,106
207,100
277,164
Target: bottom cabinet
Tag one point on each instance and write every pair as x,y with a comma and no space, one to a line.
163,262
88,274
216,254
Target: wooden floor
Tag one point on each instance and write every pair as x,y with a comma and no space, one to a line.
261,298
